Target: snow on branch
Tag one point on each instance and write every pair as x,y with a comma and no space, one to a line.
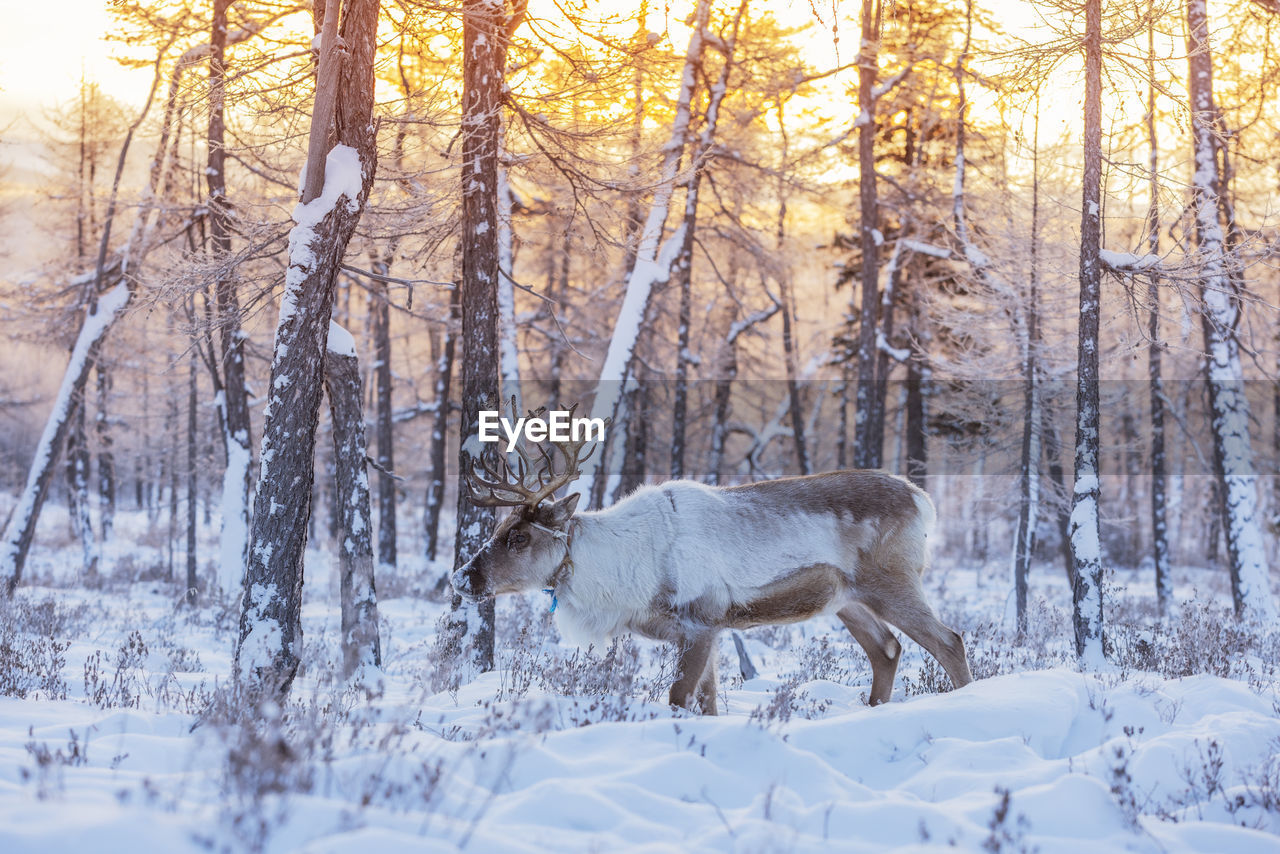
1128,262
900,354
929,249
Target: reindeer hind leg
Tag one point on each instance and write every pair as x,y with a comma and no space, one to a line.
882,648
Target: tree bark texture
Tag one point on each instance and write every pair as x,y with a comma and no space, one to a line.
1086,545
361,646
484,50
1220,294
236,416
270,624
866,454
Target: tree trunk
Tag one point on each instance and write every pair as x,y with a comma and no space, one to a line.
360,643
440,426
106,457
867,422
509,360
104,302
236,418
636,446
1086,545
650,266
77,468
1029,500
1220,316
1159,522
193,583
270,636
384,430
682,269
485,36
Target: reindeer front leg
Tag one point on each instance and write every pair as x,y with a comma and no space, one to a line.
696,686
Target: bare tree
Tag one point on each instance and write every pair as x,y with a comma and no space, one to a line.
335,187
361,647
1159,523
1220,295
1086,547
487,30
867,421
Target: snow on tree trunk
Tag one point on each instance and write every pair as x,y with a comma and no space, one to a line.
1159,523
361,649
1086,546
440,426
22,524
1220,315
106,457
104,304
77,468
509,362
651,266
1029,503
724,384
683,267
484,58
234,397
867,421
270,633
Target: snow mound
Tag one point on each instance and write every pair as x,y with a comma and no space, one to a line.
1047,760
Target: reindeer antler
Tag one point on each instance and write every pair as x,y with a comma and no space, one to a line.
535,479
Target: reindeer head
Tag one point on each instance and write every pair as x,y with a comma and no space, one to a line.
531,545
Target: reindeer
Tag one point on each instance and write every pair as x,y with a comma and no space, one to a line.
681,561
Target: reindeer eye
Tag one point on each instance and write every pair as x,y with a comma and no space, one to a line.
517,539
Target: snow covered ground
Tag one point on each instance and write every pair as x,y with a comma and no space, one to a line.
126,739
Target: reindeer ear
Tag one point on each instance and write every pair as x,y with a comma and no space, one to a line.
559,513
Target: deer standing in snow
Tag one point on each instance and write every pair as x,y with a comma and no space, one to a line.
681,561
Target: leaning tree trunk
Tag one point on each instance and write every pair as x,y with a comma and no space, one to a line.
103,305
486,31
866,454
651,266
1224,375
334,192
361,648
236,423
1086,547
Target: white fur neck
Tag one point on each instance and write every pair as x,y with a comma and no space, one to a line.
616,555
